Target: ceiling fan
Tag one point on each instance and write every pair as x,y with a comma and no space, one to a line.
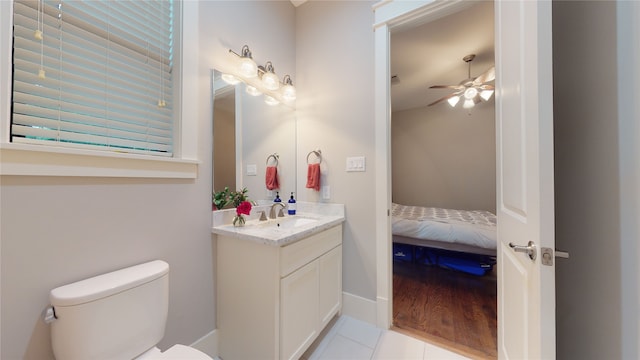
471,90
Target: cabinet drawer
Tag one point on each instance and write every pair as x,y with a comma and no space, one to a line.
298,254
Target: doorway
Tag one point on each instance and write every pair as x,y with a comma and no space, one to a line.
443,157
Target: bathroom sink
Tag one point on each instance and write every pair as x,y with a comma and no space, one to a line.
281,230
292,222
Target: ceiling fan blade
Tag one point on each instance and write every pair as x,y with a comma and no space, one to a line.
487,76
443,99
455,87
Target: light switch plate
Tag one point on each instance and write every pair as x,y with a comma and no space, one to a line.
356,163
252,170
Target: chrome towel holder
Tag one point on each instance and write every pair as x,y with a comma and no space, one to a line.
275,157
318,154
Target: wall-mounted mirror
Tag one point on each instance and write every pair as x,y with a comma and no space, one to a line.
246,132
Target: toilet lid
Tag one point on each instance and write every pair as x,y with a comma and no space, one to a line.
180,352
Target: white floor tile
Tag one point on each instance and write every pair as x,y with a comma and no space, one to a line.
360,331
432,352
396,346
352,339
342,348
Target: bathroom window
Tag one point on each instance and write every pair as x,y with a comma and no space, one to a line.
95,75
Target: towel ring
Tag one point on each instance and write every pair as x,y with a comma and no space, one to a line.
275,158
318,153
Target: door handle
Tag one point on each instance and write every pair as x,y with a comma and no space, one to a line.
548,255
530,249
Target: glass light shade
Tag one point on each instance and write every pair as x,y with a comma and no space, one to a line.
230,79
247,67
270,100
468,103
251,90
288,92
270,81
486,94
470,93
453,100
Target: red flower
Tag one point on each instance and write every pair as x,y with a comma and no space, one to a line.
244,208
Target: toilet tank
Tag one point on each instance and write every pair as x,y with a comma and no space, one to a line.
118,315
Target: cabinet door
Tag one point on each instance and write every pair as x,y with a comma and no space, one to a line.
330,285
299,310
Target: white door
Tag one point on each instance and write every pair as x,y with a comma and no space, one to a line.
525,207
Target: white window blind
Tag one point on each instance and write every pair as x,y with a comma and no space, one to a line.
100,77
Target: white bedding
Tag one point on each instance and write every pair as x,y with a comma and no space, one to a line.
474,228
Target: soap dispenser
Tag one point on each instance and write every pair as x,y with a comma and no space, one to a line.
291,210
277,199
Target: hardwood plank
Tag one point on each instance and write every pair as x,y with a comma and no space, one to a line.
452,309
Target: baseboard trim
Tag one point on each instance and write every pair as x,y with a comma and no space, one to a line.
359,308
208,344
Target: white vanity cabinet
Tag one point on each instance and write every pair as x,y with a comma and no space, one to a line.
273,301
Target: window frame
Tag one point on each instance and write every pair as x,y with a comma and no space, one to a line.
42,160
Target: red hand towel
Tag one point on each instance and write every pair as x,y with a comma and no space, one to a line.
313,177
271,178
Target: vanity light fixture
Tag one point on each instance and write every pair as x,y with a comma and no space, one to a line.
246,66
260,80
271,101
230,79
252,90
269,79
288,91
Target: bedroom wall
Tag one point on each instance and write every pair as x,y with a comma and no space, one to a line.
444,157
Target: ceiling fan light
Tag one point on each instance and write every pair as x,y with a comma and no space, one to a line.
453,101
486,94
470,93
468,103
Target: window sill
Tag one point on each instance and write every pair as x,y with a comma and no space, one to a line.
35,160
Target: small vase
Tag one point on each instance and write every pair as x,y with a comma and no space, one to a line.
238,221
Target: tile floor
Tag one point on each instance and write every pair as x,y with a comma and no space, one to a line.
352,339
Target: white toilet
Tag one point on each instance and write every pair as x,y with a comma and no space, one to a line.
119,315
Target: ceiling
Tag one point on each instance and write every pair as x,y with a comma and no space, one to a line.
431,54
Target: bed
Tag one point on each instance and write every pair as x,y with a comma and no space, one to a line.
448,229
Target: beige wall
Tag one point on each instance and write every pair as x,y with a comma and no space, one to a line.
268,28
596,56
55,230
444,157
334,57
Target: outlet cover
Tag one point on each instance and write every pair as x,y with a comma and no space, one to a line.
326,192
252,170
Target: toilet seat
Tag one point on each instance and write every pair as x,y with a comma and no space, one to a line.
176,352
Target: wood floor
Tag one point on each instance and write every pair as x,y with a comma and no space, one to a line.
445,307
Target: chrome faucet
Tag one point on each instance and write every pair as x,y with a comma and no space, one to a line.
272,213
